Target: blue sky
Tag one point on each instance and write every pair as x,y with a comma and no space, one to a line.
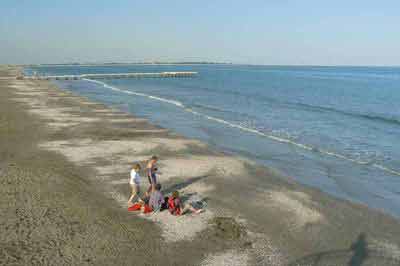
280,32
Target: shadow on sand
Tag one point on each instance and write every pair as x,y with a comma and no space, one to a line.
183,184
358,254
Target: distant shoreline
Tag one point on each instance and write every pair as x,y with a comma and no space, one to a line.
127,64
198,64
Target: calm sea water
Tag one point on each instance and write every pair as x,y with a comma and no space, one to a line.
334,128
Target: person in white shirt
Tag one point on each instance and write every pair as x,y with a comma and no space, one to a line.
134,182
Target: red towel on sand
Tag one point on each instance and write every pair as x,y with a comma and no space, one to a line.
138,206
147,209
135,207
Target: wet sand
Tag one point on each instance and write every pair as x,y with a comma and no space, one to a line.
64,164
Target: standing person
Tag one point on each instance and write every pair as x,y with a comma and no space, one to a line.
134,182
151,169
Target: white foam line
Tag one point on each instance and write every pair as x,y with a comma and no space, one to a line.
95,81
251,130
176,103
394,172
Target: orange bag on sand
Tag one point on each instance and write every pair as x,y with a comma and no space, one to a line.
147,209
135,207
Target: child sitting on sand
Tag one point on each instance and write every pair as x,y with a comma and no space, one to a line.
134,182
176,207
155,203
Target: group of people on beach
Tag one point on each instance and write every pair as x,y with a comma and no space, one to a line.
154,200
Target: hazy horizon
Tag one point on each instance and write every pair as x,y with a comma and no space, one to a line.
295,33
195,63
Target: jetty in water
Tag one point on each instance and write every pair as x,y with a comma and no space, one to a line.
113,76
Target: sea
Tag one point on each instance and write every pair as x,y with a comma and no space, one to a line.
336,129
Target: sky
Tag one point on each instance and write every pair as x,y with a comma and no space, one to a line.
271,32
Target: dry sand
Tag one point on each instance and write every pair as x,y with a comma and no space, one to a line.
297,206
228,258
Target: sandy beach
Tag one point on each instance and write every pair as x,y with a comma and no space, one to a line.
64,165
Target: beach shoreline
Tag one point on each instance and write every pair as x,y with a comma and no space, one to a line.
273,222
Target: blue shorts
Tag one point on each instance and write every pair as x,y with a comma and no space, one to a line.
152,179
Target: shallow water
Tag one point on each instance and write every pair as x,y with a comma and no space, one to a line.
334,128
